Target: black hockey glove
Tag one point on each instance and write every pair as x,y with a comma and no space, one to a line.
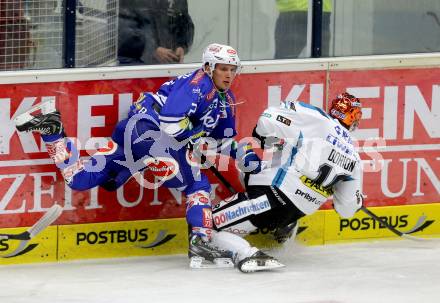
110,184
116,179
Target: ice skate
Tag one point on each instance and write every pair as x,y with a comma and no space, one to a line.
257,262
283,234
203,255
48,122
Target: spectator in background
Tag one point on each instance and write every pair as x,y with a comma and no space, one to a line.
172,30
154,31
135,32
291,28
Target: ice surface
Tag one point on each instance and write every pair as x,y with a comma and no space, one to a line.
385,271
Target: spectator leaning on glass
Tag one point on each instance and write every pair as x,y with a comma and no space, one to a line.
291,28
172,31
154,31
135,32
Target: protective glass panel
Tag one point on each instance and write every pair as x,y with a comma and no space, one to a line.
258,29
162,32
96,33
31,34
385,27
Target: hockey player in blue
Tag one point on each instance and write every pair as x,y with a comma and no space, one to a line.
158,136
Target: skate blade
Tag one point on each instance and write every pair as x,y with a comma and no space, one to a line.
201,263
255,265
46,107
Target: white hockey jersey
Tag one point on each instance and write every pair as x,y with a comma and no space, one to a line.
317,159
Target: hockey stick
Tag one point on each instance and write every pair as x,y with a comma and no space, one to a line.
215,171
48,218
220,177
390,227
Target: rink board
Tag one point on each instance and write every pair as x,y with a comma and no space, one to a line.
169,236
416,220
398,137
42,248
327,227
122,239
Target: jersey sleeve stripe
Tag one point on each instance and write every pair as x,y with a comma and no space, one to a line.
168,119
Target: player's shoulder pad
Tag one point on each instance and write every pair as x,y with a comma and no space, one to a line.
278,115
200,86
312,108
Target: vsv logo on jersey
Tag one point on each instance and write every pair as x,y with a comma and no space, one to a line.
211,116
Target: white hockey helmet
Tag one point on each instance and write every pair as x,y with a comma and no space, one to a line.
219,53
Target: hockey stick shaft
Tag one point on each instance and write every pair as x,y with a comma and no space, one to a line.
381,221
388,226
222,179
215,171
48,218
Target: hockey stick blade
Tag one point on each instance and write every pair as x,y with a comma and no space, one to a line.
390,228
49,217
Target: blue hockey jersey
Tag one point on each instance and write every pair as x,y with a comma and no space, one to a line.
190,106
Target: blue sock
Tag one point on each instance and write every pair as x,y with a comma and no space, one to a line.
51,138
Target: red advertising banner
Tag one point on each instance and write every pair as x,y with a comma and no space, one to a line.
401,106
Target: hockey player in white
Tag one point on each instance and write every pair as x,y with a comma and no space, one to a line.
313,159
